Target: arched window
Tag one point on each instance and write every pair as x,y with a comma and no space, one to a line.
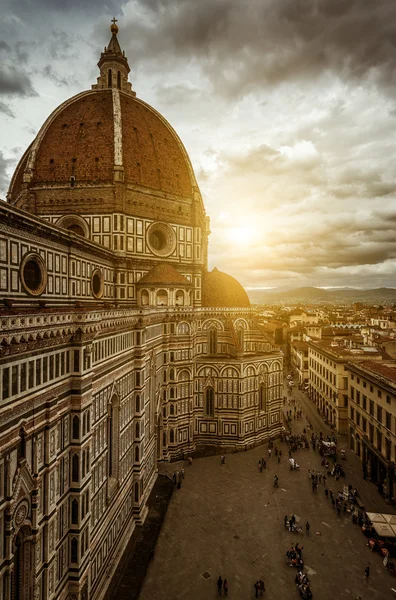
75,468
137,404
172,375
119,80
164,439
209,402
171,409
262,398
172,436
137,430
109,78
179,298
164,395
144,298
172,393
212,342
162,298
76,428
74,512
74,550
137,454
136,492
164,376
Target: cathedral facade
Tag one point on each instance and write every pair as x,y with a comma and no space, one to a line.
118,348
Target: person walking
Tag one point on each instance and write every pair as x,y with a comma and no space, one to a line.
307,528
256,588
219,585
182,473
269,452
367,572
286,519
225,587
262,587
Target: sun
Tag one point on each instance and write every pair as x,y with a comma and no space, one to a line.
243,235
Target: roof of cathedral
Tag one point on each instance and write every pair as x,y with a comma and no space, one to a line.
164,274
221,290
105,135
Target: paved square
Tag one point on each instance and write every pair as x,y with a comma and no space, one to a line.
228,520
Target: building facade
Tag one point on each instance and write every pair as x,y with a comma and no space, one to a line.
118,348
372,421
328,378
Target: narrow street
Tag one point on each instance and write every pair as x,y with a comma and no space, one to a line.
371,498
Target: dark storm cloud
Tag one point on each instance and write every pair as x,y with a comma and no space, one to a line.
244,45
15,82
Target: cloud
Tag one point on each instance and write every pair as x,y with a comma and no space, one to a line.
13,82
6,110
53,76
241,47
5,165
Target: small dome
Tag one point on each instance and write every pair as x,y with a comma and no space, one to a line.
163,274
222,290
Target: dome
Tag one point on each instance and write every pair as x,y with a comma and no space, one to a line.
164,274
105,150
98,132
221,290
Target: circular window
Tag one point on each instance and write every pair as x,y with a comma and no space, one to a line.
97,283
33,274
161,239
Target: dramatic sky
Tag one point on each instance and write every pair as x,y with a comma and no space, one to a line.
287,109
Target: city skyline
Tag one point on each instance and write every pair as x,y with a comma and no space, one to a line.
287,114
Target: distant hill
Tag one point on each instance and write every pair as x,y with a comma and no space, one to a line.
316,295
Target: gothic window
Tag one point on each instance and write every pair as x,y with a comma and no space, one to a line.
164,439
172,392
109,78
137,430
212,345
172,374
137,454
76,428
74,550
209,402
119,80
75,467
137,404
241,338
171,436
113,431
74,517
262,399
171,409
164,395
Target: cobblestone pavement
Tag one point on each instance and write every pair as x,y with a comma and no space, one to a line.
228,520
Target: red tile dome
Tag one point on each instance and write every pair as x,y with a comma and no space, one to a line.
221,290
99,131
